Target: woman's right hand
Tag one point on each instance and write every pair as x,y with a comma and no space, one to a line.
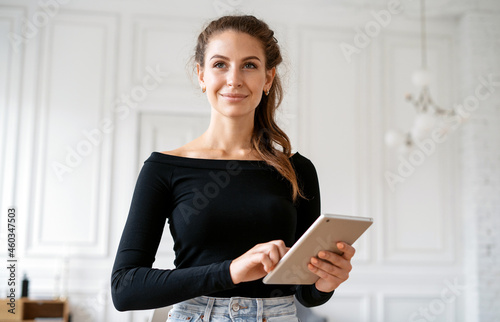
257,262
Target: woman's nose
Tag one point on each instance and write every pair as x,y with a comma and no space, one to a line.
234,78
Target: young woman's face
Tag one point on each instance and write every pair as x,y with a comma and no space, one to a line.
235,75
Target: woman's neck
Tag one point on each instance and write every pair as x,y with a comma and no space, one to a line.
228,138
225,138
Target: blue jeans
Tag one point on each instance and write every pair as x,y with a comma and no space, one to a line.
235,309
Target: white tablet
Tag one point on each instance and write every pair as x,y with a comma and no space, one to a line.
323,234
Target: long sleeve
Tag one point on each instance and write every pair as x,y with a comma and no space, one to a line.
308,210
135,284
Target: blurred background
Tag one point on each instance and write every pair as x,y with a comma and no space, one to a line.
400,118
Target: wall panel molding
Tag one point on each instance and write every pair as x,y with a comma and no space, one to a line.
328,95
75,91
416,306
417,220
166,43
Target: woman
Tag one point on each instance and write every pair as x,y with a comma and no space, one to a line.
235,198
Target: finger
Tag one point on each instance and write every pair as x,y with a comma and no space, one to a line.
274,255
336,260
281,247
330,269
330,278
266,261
348,250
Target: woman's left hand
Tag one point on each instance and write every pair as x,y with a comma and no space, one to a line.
332,269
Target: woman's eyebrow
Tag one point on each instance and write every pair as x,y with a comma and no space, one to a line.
225,58
251,57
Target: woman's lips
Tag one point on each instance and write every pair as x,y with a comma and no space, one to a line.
233,97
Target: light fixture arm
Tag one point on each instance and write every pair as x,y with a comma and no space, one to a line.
423,34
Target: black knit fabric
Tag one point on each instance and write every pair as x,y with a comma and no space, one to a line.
216,210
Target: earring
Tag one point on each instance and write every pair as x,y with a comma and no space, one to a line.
266,92
203,89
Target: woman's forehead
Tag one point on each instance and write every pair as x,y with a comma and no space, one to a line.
234,45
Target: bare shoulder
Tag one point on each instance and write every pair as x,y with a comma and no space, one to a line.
177,152
191,149
182,152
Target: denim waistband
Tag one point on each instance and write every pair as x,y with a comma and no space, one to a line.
240,306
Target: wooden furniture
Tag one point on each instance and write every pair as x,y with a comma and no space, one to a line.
27,310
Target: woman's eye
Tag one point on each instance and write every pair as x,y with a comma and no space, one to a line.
250,65
219,65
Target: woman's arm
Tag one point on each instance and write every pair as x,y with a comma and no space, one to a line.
135,284
308,210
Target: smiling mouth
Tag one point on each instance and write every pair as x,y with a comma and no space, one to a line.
230,95
233,97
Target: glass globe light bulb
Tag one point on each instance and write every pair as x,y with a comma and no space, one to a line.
421,77
424,123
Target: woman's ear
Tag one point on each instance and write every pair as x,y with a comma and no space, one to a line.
199,72
270,73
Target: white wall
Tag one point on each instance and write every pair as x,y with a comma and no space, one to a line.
76,82
480,39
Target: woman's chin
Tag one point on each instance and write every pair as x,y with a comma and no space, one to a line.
236,112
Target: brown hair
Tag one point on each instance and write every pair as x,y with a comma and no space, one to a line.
266,133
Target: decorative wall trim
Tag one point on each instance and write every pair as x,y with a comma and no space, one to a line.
436,166
41,241
310,38
418,305
166,43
